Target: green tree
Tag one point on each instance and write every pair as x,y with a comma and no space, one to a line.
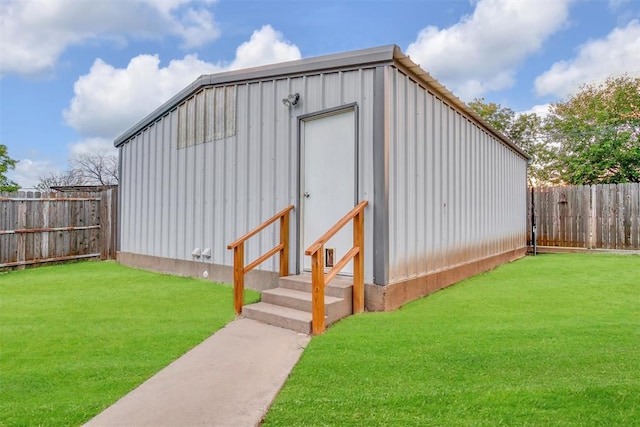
6,164
597,132
526,131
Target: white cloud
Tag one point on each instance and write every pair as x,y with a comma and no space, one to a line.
35,33
92,145
482,51
617,4
542,110
28,172
265,46
108,100
617,53
197,28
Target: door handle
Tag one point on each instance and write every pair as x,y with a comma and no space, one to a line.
307,195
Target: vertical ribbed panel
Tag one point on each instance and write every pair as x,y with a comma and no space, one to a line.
179,193
457,194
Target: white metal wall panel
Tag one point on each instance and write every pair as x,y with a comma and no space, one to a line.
179,193
457,194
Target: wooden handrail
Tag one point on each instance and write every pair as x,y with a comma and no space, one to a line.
260,227
318,278
239,269
333,230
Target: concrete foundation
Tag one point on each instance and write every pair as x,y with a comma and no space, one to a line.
256,279
391,297
377,297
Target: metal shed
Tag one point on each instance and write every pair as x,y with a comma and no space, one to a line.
446,192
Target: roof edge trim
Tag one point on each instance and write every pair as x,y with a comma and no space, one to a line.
363,57
389,54
439,88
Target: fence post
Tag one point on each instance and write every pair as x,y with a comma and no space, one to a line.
44,242
114,222
105,224
534,230
594,217
108,223
22,237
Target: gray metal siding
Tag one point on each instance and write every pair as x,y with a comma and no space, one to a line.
206,195
456,193
380,240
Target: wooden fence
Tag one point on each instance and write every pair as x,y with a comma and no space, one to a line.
46,227
603,216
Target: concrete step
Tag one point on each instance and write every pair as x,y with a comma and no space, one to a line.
289,306
283,317
334,308
339,287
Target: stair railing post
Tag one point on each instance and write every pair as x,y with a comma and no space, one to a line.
284,241
358,263
317,292
238,278
239,268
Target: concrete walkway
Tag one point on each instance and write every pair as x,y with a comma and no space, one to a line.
228,380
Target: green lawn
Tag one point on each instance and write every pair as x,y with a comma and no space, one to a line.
547,340
74,338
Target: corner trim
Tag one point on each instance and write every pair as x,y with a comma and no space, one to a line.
380,180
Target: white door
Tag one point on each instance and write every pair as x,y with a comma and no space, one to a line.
328,187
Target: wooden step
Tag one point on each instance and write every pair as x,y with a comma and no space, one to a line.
283,317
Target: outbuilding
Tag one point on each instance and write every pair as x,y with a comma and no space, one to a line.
446,192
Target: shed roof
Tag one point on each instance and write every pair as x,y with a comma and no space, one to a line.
83,188
382,55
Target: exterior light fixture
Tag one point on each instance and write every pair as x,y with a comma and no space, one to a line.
290,100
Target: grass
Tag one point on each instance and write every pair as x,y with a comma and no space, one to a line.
74,338
547,340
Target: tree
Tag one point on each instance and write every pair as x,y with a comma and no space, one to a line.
496,115
6,164
57,179
96,168
598,133
526,131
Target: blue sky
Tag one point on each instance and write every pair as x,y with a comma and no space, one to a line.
74,74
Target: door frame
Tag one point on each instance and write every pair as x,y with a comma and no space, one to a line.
356,146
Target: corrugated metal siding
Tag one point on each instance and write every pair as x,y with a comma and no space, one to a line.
205,195
456,194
